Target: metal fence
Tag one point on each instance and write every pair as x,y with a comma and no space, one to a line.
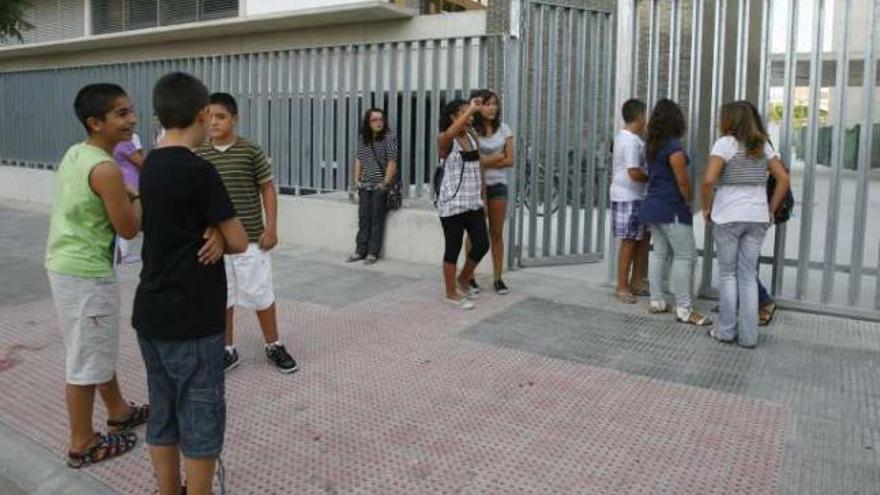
304,106
565,90
812,88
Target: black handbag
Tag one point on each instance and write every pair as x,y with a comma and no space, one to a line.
783,214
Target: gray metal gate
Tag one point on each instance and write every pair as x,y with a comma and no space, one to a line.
810,66
563,134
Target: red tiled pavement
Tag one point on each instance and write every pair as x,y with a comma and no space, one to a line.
390,401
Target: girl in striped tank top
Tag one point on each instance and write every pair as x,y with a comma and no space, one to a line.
734,195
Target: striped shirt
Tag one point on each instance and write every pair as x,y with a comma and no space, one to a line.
243,168
374,158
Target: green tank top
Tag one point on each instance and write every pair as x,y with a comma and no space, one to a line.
81,238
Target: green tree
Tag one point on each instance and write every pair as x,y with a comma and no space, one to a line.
12,22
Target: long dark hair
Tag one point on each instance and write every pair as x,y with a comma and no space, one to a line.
367,131
667,122
738,121
447,115
480,122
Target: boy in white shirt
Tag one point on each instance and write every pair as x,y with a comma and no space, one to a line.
628,188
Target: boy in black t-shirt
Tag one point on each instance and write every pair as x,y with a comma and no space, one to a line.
179,308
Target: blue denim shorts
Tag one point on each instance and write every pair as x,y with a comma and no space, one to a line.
186,389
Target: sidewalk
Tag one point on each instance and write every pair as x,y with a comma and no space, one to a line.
556,388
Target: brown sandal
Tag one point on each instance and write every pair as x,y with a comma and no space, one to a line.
695,318
138,416
765,314
107,446
626,298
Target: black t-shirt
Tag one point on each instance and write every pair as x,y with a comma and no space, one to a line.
179,298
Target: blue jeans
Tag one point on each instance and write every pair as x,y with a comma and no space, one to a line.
675,240
739,245
764,297
187,400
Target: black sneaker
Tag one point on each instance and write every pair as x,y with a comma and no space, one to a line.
472,284
500,288
277,354
230,359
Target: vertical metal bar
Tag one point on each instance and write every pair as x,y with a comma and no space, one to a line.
353,116
717,95
592,119
522,131
483,63
317,121
550,131
837,156
654,55
296,129
511,100
607,121
286,83
580,102
420,159
764,74
406,128
367,57
394,53
467,71
328,167
694,84
380,76
450,69
565,162
877,281
785,138
806,224
675,51
537,49
306,126
435,102
739,68
636,41
866,142
343,166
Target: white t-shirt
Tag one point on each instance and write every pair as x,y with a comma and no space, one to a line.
739,203
629,152
489,145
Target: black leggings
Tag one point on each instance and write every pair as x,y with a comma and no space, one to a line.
454,227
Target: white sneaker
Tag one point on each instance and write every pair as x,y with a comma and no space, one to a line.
463,303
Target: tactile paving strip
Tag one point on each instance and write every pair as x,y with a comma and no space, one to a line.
390,400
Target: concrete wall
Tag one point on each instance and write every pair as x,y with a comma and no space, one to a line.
472,23
327,222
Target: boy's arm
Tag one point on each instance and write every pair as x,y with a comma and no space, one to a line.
637,174
269,239
137,158
123,209
233,235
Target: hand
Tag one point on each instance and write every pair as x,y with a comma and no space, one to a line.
475,106
213,248
268,240
707,216
132,193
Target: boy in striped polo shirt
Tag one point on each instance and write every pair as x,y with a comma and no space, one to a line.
248,179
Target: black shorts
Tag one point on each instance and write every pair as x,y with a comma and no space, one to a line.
496,192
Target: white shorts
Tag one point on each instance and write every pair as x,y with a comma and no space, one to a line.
249,279
88,314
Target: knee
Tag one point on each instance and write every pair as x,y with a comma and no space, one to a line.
479,249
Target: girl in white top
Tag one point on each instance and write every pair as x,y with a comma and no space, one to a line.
496,155
734,195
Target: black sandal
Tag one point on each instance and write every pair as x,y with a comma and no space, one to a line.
137,417
107,446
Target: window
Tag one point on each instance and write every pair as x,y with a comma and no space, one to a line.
113,16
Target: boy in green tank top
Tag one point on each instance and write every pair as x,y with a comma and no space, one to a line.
91,206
